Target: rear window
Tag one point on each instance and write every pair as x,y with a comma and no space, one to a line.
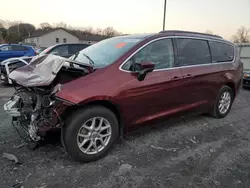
221,52
193,52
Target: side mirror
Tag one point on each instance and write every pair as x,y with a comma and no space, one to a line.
144,68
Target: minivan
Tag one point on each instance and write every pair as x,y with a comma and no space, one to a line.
132,80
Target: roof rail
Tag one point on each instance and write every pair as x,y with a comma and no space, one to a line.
190,32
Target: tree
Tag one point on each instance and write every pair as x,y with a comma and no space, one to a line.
60,24
3,32
45,26
89,30
18,31
98,31
242,35
22,29
110,32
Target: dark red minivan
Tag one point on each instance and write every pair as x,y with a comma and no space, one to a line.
140,78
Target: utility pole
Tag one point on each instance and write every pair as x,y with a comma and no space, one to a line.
164,16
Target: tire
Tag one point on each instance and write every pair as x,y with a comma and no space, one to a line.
72,142
244,87
216,112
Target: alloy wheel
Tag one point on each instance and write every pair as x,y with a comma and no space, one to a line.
224,102
94,135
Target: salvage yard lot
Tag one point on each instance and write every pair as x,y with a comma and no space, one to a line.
192,152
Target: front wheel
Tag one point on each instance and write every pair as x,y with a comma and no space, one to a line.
89,134
223,102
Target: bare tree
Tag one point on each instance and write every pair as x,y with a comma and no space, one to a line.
89,30
98,31
60,24
242,35
45,26
110,32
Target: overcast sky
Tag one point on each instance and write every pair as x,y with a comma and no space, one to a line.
223,17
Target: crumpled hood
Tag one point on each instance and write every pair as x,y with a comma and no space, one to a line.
41,71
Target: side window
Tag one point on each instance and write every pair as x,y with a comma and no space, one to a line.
60,50
19,48
76,48
160,53
6,48
193,52
221,52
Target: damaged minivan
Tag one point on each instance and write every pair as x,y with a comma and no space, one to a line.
117,85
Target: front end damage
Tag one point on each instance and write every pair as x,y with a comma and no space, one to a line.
34,107
34,114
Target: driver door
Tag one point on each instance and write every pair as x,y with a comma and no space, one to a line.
159,94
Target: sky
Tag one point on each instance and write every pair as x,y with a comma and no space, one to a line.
222,17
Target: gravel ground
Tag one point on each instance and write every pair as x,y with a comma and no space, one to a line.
192,152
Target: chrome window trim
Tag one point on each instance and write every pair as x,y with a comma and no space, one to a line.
186,37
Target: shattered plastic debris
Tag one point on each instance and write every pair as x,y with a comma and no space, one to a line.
165,149
11,157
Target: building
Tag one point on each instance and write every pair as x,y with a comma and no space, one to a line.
59,35
245,55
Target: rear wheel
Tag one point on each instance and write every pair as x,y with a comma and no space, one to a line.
223,102
90,133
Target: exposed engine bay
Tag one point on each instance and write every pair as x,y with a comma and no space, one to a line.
34,107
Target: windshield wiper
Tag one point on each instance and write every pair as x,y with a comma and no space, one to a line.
92,62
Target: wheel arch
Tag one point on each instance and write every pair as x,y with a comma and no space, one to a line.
105,103
232,86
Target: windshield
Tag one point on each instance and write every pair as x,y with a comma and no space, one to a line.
105,52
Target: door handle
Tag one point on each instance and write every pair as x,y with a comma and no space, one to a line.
176,78
188,76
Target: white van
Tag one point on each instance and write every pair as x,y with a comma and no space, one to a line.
245,55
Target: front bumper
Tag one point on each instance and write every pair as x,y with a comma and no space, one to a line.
4,75
246,82
4,79
11,106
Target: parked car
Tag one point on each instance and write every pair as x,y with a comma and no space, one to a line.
65,49
11,64
39,50
246,80
15,50
127,81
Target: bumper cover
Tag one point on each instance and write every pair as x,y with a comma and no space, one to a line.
11,107
246,82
